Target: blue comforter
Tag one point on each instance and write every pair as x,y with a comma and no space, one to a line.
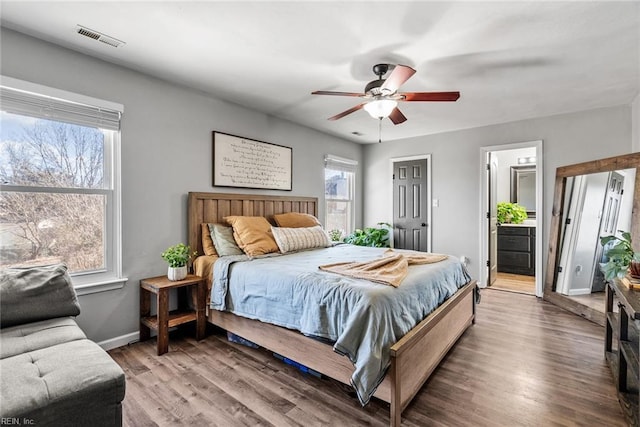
362,318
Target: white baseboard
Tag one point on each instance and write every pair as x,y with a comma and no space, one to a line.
582,291
120,341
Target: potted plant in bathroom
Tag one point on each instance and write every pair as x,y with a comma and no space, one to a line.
511,213
622,259
177,257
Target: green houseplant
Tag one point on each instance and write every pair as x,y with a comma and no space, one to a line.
335,235
177,257
511,213
622,258
371,236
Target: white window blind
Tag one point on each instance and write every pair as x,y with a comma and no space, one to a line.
340,163
34,100
36,105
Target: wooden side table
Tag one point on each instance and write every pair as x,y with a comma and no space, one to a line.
623,329
163,320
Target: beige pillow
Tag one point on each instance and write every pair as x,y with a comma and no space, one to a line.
295,220
253,234
207,242
296,239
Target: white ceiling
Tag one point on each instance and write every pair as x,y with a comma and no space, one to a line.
509,60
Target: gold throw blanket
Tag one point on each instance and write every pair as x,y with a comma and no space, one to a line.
391,269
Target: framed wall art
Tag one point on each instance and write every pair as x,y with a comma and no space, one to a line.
247,163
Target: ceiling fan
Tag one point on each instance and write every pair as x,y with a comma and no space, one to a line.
382,95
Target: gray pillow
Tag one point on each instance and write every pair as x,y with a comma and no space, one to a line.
37,293
223,240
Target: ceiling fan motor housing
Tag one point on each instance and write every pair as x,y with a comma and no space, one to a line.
373,87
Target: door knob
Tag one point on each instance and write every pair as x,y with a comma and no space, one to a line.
424,224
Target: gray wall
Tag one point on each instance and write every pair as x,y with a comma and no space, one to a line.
455,157
635,112
166,152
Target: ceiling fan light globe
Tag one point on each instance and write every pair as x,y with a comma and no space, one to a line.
380,108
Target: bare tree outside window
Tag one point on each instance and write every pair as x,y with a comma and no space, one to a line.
52,207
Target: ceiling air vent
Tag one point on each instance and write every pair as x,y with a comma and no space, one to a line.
87,32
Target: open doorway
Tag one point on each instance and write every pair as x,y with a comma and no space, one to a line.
512,249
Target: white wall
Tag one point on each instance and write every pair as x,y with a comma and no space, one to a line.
567,139
166,152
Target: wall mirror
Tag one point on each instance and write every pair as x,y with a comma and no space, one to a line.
523,187
591,199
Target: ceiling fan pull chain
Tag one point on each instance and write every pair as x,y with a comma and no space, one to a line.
380,130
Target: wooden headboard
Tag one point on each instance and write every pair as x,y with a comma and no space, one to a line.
212,207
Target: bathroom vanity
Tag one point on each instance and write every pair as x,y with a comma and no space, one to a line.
517,249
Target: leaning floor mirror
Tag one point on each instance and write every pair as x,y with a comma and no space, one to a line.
591,200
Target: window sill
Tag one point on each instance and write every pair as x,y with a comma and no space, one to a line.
100,286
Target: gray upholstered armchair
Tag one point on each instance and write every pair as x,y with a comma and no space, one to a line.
50,373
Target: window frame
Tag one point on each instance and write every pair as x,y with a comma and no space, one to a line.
110,277
349,166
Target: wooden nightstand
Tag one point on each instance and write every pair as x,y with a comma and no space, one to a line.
163,320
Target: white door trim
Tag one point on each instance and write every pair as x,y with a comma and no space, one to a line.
483,270
416,157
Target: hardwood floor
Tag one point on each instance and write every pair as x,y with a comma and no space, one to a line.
594,300
524,363
515,283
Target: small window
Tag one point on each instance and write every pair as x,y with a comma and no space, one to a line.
60,193
339,188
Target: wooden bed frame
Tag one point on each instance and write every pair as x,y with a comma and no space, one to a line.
413,358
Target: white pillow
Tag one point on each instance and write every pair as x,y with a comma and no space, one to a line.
295,239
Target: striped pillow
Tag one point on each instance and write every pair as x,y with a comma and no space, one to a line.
295,239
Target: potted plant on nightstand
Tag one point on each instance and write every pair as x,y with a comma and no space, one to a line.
178,257
622,258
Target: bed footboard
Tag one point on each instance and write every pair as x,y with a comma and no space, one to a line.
413,358
418,353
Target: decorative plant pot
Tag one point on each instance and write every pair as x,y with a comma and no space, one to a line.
177,273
